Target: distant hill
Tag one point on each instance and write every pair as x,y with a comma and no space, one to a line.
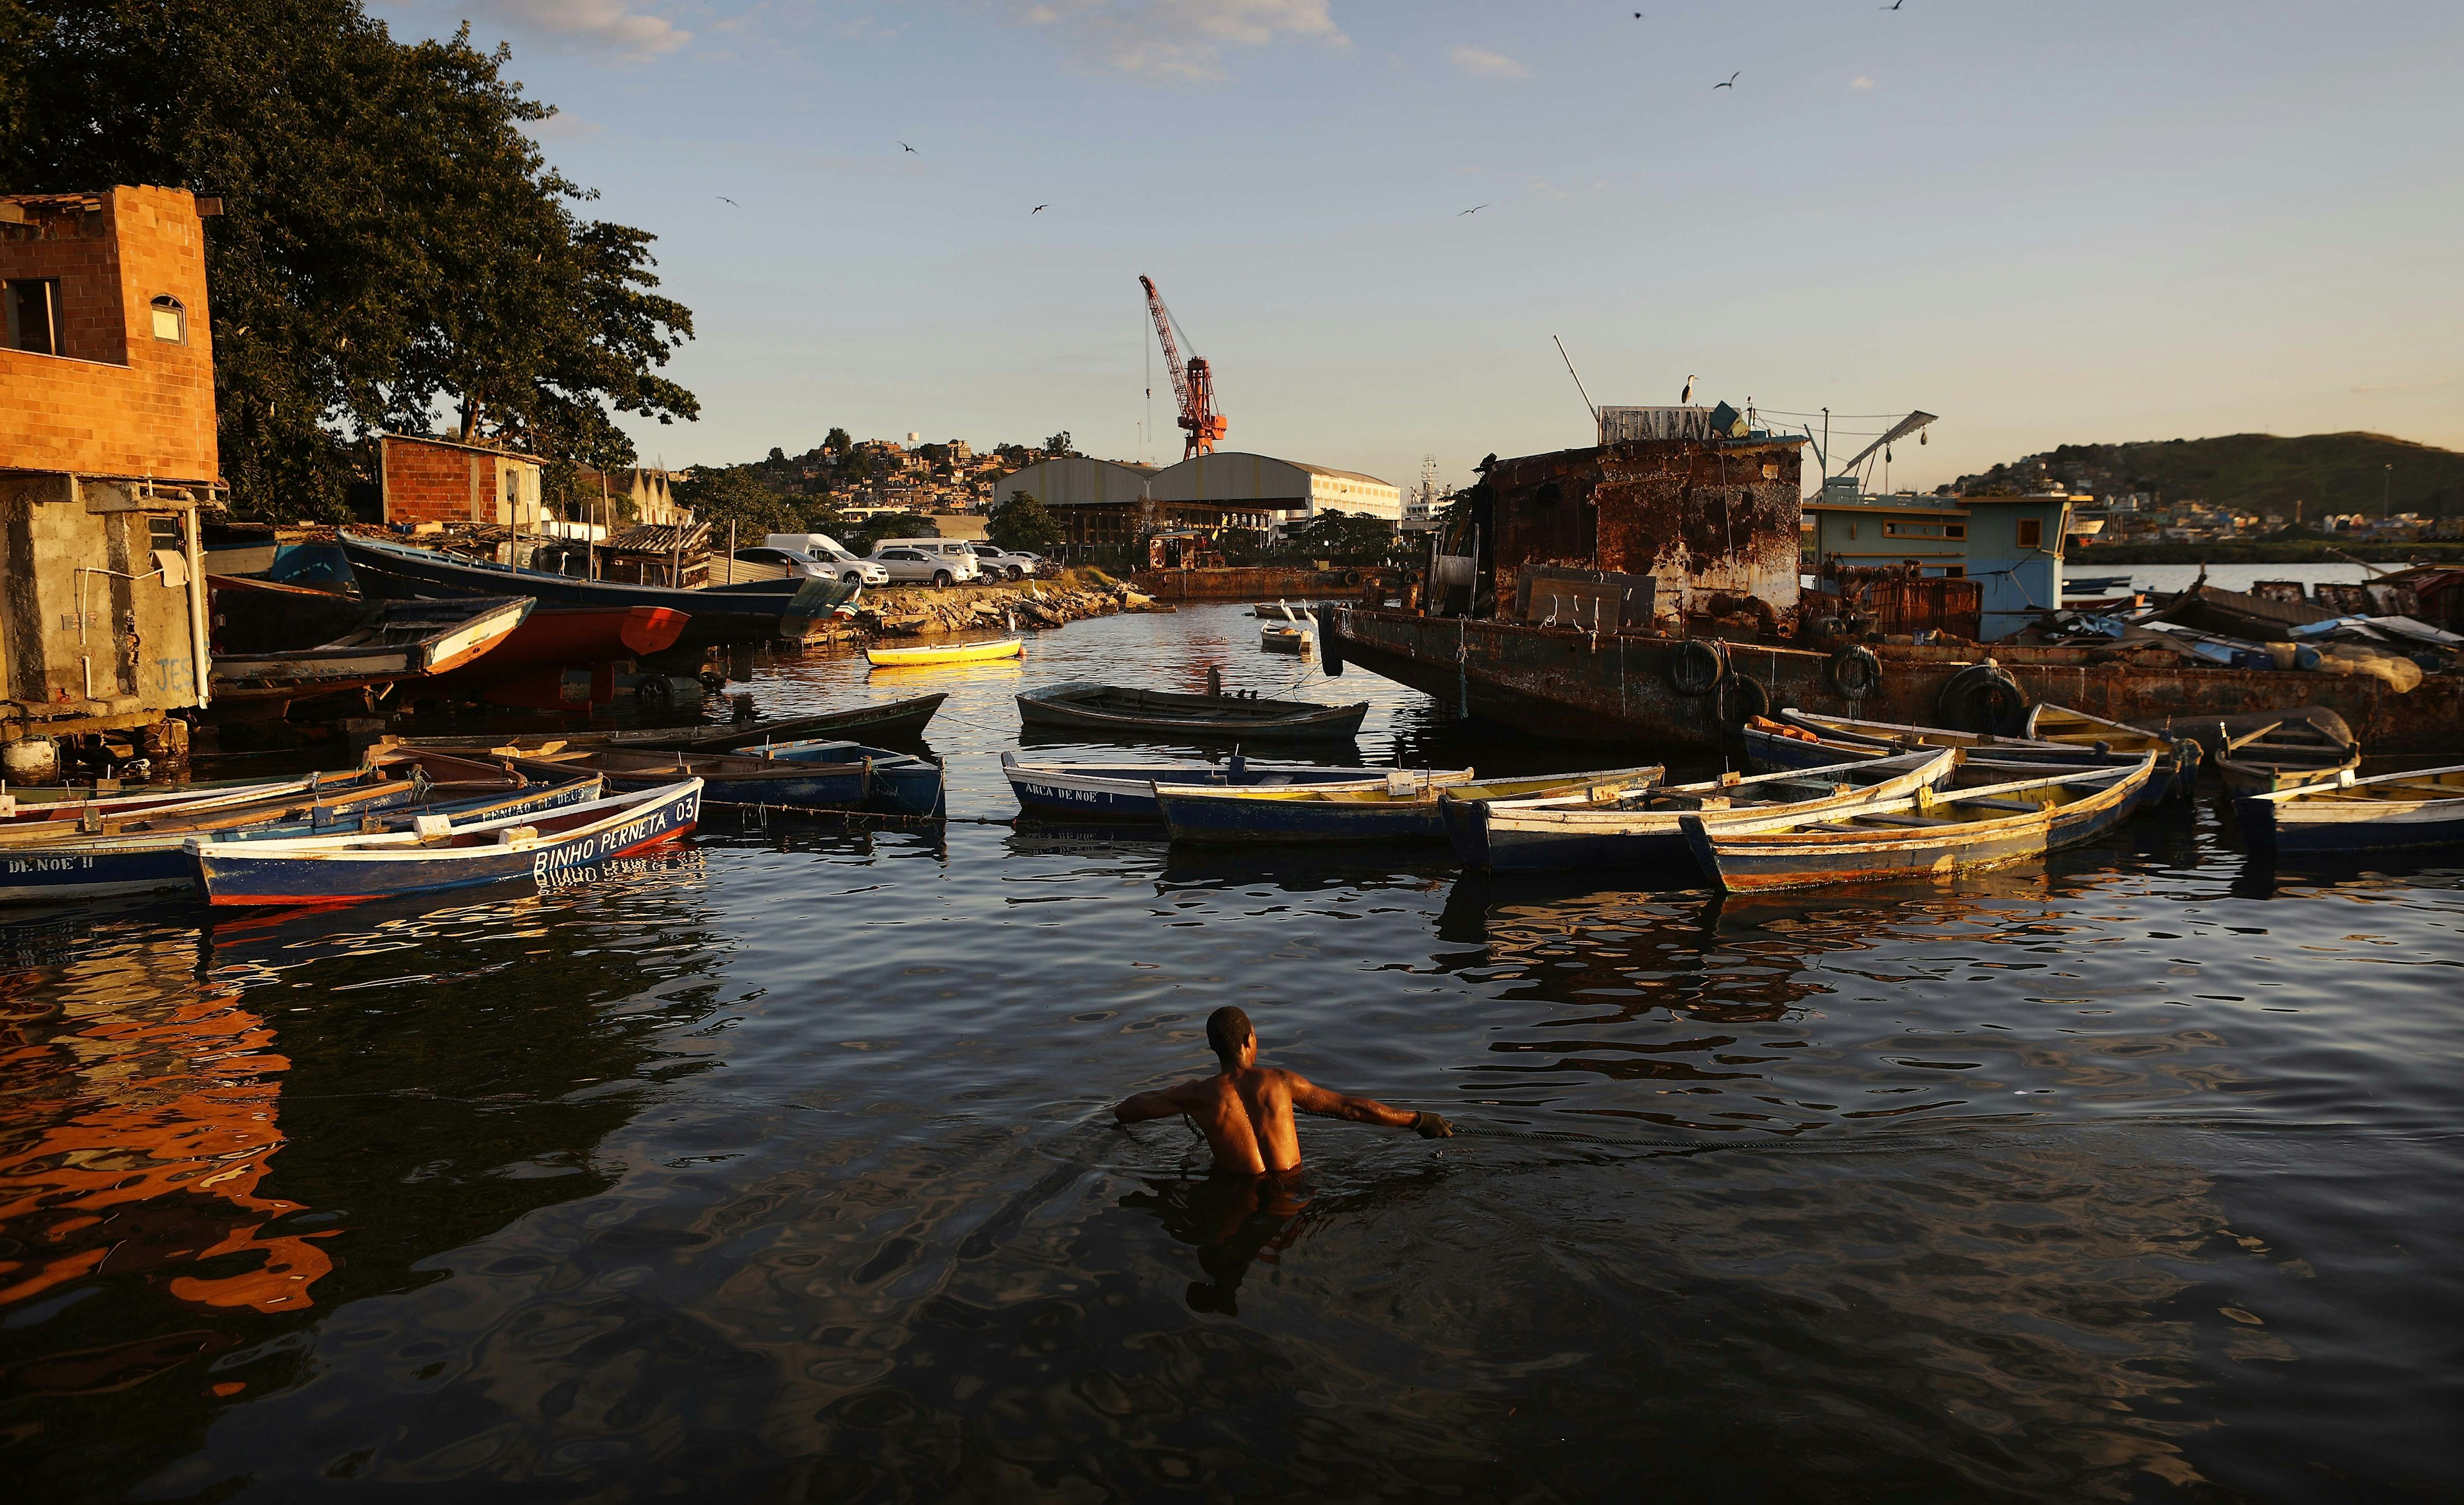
2257,473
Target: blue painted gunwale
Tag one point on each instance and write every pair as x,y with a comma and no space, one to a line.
1234,816
2300,822
97,867
1125,791
1540,836
1743,858
580,844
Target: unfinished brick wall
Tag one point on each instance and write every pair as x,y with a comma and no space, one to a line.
436,483
117,401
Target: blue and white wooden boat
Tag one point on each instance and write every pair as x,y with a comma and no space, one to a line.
1406,810
1640,828
2344,814
157,861
53,803
585,843
1929,834
897,784
1125,791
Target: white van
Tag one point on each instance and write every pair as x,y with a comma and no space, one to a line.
826,556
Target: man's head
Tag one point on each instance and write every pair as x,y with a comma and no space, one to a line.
1230,1035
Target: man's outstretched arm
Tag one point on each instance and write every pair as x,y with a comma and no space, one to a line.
1139,1107
1310,1097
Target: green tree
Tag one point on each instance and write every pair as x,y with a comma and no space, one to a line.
391,238
1059,444
1341,537
1022,522
838,443
722,494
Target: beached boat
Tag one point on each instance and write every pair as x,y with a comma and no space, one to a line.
753,611
150,856
2283,755
1640,828
945,653
1293,634
2388,812
1127,791
1407,808
583,843
1930,833
1112,711
390,641
872,779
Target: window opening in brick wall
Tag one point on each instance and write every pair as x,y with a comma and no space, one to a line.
33,312
170,320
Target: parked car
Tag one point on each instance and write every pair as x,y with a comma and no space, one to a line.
851,569
1000,562
824,549
905,562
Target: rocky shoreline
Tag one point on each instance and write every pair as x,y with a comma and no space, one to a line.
924,612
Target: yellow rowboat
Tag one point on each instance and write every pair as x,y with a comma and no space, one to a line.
945,654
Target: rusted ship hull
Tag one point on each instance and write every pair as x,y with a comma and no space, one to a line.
1615,687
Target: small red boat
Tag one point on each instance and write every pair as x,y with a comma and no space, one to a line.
564,657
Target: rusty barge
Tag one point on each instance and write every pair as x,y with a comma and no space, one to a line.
1650,590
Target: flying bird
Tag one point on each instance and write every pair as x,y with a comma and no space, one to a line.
724,199
1894,5
1688,395
910,149
1474,210
1732,81
1038,209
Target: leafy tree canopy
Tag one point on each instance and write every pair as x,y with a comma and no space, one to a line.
1059,444
1022,522
391,240
1341,537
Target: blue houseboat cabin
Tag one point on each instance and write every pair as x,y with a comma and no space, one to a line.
2010,546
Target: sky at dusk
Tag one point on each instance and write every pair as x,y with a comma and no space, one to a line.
2047,221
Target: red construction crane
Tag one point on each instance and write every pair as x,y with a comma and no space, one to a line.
1193,387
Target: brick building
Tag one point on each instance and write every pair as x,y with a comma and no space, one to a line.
429,479
107,450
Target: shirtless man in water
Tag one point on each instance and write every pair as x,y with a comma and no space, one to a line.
1245,1110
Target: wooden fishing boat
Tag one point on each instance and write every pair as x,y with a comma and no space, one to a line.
1406,809
1819,739
55,803
579,844
1293,634
1127,791
1640,828
1112,711
2283,755
563,657
1930,833
900,784
2178,754
738,779
391,641
151,856
2388,812
945,653
889,718
754,611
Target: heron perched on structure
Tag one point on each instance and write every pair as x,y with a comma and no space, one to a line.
1688,395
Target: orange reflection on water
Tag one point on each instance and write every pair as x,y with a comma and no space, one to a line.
165,1116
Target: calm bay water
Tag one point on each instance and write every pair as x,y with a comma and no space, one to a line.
784,1172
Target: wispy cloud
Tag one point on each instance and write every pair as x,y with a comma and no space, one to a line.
1480,63
1180,41
2411,387
1860,82
612,26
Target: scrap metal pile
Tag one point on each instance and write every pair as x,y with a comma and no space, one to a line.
2396,629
